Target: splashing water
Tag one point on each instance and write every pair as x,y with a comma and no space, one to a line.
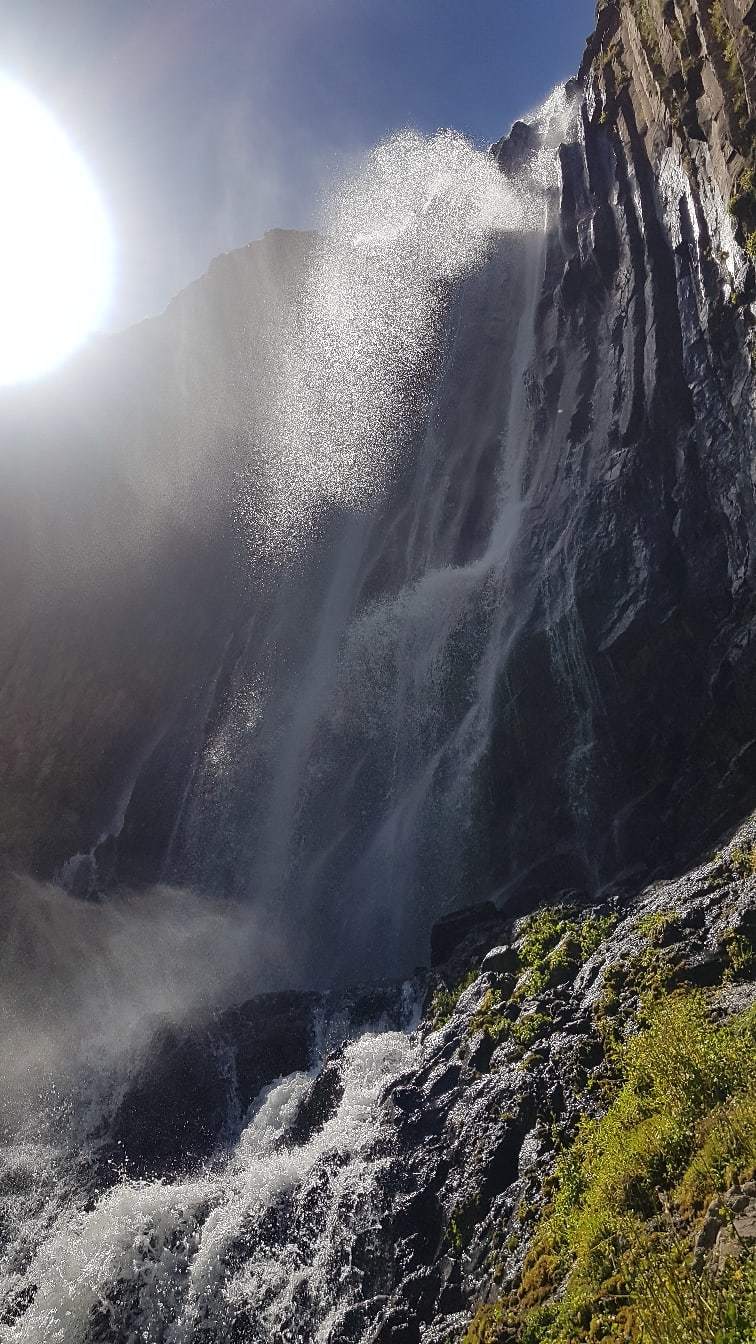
262,1245
405,383
421,213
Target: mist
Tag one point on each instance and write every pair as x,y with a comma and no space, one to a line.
82,982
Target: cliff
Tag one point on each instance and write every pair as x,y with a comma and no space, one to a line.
119,554
566,678
627,701
516,692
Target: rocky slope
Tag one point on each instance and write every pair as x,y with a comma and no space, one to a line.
527,1056
573,1120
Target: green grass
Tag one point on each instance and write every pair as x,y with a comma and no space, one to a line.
555,944
445,1000
491,1016
604,1264
742,861
655,925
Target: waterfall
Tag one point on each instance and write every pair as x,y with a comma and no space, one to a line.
338,793
386,495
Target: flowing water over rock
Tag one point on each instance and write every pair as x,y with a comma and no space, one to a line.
355,723
257,1248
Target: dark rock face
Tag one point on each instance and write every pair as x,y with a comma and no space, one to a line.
319,1103
516,150
174,1108
190,1089
448,933
626,708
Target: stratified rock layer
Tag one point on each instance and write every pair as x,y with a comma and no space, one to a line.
626,721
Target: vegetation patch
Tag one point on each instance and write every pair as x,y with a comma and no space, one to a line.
655,925
492,1016
612,1257
462,1224
742,861
556,943
445,1000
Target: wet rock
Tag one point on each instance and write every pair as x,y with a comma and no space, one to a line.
516,150
475,1127
500,960
268,1037
189,1089
448,933
318,1104
175,1106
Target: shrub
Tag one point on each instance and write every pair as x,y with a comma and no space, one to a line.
445,1000
743,860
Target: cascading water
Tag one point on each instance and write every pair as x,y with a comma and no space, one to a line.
256,1248
392,471
338,792
419,215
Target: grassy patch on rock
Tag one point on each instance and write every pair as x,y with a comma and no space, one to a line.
554,944
612,1257
445,999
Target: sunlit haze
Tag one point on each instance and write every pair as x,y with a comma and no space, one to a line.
55,245
206,123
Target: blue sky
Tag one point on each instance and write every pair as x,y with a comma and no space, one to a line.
208,121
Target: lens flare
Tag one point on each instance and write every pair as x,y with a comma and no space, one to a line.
55,242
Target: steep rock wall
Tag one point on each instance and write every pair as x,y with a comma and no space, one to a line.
626,725
121,570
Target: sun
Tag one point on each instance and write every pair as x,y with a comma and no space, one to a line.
55,241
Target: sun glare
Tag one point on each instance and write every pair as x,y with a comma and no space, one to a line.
55,243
